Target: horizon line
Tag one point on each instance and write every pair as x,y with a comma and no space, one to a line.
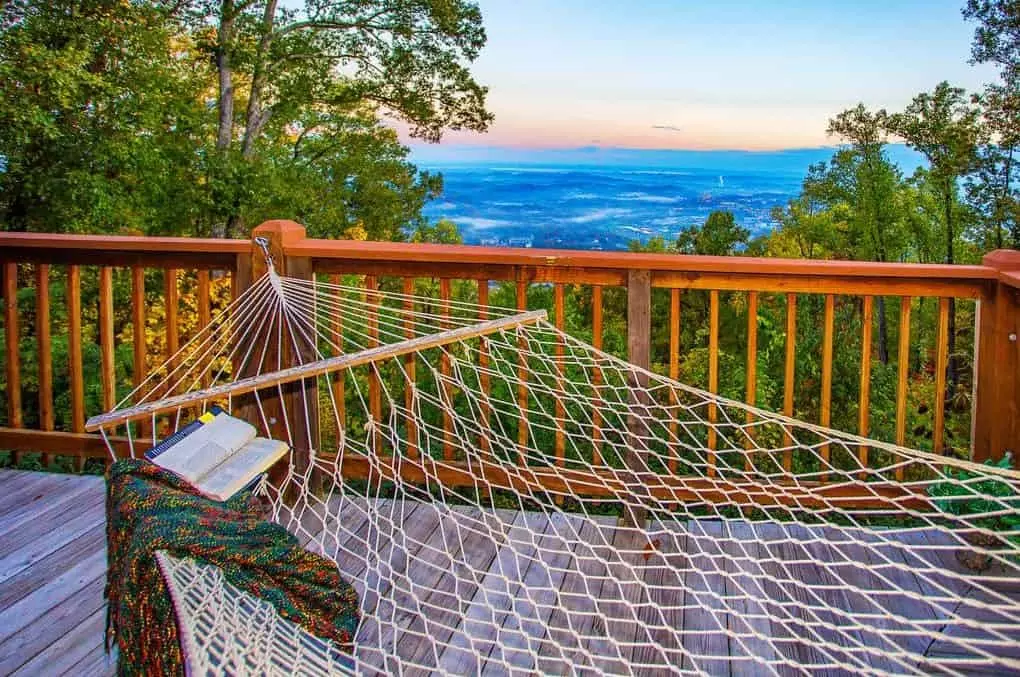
593,150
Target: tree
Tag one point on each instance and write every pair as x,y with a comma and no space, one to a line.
861,176
945,128
99,117
407,58
997,36
114,115
992,192
720,235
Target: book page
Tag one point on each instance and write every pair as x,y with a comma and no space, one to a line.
207,447
233,474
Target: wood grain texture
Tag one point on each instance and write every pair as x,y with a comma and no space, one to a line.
204,301
902,374
522,378
713,375
338,381
140,369
12,336
74,364
484,378
674,373
557,592
789,372
44,350
864,399
410,367
639,321
825,409
107,365
449,442
941,365
596,376
751,386
559,318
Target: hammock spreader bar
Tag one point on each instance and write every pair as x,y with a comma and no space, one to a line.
313,369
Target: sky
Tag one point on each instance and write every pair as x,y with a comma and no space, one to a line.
704,74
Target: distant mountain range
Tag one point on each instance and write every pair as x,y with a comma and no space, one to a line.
604,198
794,160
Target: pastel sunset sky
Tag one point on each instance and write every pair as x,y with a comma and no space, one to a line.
707,74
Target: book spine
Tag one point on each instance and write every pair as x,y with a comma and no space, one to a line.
170,441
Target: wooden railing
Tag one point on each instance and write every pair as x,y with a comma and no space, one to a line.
130,283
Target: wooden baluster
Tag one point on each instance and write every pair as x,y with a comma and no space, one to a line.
74,359
560,321
483,363
903,369
826,398
864,404
639,326
171,300
13,357
941,364
713,374
789,374
374,388
751,393
338,382
674,372
109,377
522,378
45,352
140,368
410,367
444,370
204,318
596,377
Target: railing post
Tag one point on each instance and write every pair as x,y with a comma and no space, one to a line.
996,405
639,328
299,399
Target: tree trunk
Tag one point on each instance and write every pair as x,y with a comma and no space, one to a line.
255,116
225,128
225,131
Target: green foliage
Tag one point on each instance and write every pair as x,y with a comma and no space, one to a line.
719,236
964,494
197,117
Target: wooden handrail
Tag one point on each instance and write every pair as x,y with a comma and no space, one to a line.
533,265
122,250
616,260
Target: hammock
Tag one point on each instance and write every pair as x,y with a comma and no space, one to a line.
509,499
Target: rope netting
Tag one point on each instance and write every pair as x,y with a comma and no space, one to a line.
507,498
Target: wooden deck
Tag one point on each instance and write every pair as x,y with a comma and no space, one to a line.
52,573
554,592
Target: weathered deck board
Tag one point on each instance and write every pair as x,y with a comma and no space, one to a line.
444,605
506,592
52,573
751,651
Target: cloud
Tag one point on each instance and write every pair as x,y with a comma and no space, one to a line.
668,128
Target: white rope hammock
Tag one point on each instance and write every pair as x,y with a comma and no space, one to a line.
508,499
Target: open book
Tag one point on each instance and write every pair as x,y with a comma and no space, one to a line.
218,453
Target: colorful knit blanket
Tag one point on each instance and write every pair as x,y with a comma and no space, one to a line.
149,508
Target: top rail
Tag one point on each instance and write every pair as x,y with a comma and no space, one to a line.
122,250
521,265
